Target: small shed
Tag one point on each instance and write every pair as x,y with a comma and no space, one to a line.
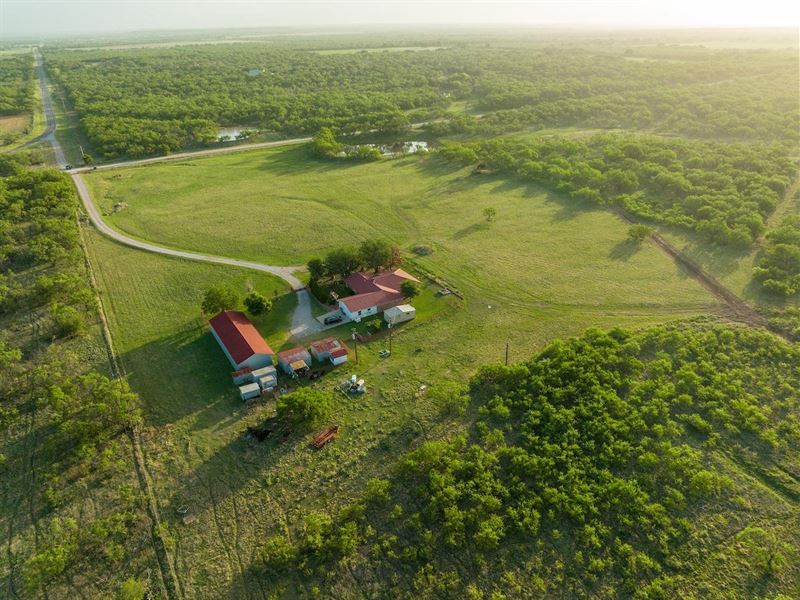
250,390
294,360
242,376
338,356
322,349
399,314
267,383
264,372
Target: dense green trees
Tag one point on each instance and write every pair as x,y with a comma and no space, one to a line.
591,470
723,191
305,406
218,298
145,101
16,83
257,304
63,425
779,268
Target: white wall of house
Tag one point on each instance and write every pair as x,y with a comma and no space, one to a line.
358,315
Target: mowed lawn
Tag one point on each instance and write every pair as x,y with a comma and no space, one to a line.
542,270
283,206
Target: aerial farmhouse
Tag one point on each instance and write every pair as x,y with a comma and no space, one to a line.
240,341
373,293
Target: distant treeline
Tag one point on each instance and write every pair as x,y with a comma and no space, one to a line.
148,101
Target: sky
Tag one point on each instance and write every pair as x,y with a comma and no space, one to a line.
20,18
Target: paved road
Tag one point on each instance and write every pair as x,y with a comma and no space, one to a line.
192,154
49,133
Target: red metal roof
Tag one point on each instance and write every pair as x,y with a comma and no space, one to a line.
363,301
293,354
239,335
327,344
375,290
337,352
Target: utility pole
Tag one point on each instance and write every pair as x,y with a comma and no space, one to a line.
390,338
506,353
355,341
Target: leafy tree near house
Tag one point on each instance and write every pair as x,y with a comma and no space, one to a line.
257,304
342,262
316,268
409,289
375,254
218,298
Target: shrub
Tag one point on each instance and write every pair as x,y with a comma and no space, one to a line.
409,289
257,304
638,233
277,552
69,321
305,406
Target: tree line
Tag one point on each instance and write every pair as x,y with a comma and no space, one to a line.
724,192
593,469
62,419
16,84
146,101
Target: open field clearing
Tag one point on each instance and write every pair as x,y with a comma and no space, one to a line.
13,125
288,207
542,270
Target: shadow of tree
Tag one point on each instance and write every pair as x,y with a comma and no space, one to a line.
624,250
469,230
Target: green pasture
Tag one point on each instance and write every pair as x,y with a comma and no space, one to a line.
542,269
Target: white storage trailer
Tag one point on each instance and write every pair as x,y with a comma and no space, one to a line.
399,314
251,390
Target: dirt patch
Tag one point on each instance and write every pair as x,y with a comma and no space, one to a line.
14,123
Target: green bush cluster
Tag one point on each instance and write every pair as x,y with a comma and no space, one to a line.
60,422
779,267
16,84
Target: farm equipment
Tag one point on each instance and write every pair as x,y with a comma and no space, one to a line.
325,436
354,385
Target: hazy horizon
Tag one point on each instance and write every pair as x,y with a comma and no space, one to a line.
30,18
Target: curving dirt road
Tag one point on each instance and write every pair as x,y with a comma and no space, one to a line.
303,321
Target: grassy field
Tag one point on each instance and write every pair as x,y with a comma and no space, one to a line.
288,207
543,269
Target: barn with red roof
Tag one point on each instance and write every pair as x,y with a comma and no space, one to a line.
240,340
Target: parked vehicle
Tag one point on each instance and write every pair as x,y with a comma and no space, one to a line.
67,167
332,319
